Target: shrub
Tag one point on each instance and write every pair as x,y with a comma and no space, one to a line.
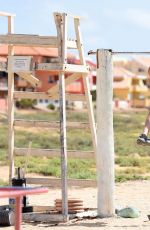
51,107
25,103
93,95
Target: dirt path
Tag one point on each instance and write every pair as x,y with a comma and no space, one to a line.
136,194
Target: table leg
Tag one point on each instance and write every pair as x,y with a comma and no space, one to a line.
18,213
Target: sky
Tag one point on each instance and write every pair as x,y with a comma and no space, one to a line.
110,24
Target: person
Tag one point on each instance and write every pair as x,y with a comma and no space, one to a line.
143,138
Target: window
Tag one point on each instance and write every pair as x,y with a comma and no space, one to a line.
3,74
141,70
51,79
50,59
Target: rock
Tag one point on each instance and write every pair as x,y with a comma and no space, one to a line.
128,212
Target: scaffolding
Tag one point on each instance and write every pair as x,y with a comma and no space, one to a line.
23,67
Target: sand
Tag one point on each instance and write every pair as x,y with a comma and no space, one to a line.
132,193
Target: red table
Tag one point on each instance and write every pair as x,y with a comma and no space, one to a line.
17,193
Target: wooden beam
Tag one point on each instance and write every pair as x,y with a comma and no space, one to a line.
61,24
47,124
5,14
30,95
86,84
75,97
43,208
53,182
79,41
90,111
10,103
105,136
54,153
30,78
73,77
41,95
58,67
72,44
29,40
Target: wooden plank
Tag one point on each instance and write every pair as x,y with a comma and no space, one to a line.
62,109
61,26
75,97
86,84
79,41
29,40
71,44
47,124
30,78
90,111
53,182
70,68
71,78
54,153
105,136
30,95
45,208
42,217
58,67
5,14
10,104
41,95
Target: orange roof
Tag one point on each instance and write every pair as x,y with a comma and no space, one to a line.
31,51
122,72
121,85
145,61
39,51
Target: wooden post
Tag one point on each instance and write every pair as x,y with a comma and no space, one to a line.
61,24
86,83
10,103
63,146
105,137
90,111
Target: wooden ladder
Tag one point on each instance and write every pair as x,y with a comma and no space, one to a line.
62,67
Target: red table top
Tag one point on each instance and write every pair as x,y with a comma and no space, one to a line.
20,191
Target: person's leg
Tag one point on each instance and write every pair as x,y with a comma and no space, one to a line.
143,139
147,125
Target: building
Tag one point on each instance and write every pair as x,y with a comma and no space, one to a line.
129,88
47,78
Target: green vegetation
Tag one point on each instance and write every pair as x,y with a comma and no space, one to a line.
3,183
51,107
93,95
25,103
132,161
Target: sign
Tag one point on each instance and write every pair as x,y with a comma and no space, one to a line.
21,63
